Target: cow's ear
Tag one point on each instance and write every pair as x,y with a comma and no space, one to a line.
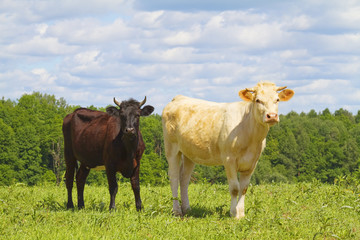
286,95
113,111
147,110
246,95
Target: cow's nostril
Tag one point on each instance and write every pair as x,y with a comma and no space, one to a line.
129,130
271,117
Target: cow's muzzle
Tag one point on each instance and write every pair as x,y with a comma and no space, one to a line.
272,118
130,130
129,133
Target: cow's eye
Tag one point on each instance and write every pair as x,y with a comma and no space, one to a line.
259,101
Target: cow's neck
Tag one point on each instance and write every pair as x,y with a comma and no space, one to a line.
130,147
256,131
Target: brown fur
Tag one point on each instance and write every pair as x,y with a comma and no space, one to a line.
97,139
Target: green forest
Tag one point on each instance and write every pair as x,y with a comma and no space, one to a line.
302,147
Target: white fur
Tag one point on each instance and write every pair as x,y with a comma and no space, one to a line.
208,133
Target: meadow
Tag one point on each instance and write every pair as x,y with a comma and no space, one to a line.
273,211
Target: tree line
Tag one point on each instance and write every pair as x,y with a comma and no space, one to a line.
302,147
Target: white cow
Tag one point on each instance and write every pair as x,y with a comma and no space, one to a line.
228,134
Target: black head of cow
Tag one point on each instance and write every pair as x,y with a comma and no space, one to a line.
129,113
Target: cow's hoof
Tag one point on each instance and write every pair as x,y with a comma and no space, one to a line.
185,210
240,216
70,206
177,213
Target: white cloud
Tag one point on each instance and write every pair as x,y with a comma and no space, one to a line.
177,54
297,23
355,96
341,15
90,31
322,85
183,38
43,76
223,80
35,11
149,20
293,54
18,82
39,46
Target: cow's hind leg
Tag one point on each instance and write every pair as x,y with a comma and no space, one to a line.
185,173
136,188
173,157
71,165
81,176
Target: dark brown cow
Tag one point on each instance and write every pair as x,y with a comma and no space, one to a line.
111,140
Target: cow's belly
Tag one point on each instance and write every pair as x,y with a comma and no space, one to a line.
200,149
89,158
206,162
87,152
102,167
203,153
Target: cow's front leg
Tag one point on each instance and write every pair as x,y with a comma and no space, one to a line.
244,180
113,186
234,187
136,188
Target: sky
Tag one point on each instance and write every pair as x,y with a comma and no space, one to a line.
90,51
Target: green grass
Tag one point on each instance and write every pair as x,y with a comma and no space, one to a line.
273,211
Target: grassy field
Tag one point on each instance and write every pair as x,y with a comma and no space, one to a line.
273,211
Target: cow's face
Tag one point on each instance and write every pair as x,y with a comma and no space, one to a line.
129,114
265,97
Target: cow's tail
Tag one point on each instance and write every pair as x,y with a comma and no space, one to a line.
70,160
168,121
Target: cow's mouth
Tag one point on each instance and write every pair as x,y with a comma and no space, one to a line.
272,122
129,136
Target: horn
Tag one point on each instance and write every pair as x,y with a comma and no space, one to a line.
250,90
116,102
280,88
142,102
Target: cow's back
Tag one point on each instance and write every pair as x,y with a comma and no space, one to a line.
84,134
194,125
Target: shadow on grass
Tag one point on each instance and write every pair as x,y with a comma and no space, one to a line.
52,205
203,212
